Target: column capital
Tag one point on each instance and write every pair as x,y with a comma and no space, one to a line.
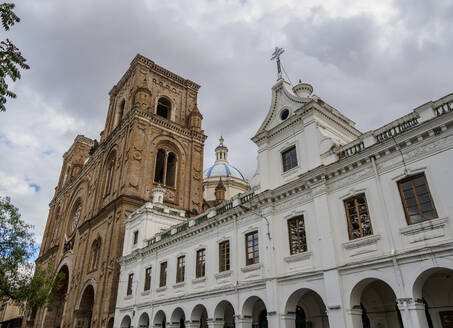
410,303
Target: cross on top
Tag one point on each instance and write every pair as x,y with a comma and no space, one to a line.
276,56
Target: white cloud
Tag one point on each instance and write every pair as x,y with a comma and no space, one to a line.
373,60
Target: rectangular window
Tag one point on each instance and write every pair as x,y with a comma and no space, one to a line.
163,274
417,201
289,158
201,263
224,256
148,272
251,248
297,238
135,237
129,284
180,269
359,223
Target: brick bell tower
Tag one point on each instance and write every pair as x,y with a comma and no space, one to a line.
152,137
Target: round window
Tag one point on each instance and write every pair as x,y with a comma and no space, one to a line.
284,114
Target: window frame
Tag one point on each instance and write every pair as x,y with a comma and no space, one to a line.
348,217
255,257
418,204
168,107
295,163
130,280
224,256
180,268
163,274
200,263
148,273
299,239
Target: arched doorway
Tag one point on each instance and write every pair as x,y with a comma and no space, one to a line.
160,319
255,308
199,317
143,321
308,308
375,301
85,311
434,288
224,312
54,310
126,322
178,318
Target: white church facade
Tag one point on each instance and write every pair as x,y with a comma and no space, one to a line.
340,229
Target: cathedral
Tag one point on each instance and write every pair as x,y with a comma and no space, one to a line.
337,227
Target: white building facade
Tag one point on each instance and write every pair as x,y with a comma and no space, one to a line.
342,229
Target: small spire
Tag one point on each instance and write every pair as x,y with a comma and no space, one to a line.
221,140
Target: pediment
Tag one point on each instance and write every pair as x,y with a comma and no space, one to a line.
283,97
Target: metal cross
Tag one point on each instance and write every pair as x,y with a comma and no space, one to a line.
276,55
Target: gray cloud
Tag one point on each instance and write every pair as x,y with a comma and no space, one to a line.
374,63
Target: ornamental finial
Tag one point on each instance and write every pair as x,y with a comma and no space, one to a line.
221,140
276,55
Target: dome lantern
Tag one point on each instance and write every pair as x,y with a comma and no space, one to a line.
221,152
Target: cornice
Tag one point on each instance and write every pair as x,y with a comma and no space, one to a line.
312,183
153,67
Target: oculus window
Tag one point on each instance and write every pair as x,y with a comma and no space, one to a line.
284,114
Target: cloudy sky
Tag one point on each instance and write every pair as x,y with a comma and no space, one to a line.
372,60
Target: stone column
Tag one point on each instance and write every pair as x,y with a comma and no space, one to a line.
412,313
287,320
244,322
354,317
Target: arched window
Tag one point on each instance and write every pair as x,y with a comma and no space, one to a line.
171,170
160,166
109,174
166,168
163,108
95,252
119,113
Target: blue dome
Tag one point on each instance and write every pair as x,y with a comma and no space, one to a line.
222,170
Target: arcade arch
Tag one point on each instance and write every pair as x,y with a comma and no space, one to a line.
224,312
199,316
126,322
434,288
255,309
143,321
178,318
160,319
373,303
308,309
